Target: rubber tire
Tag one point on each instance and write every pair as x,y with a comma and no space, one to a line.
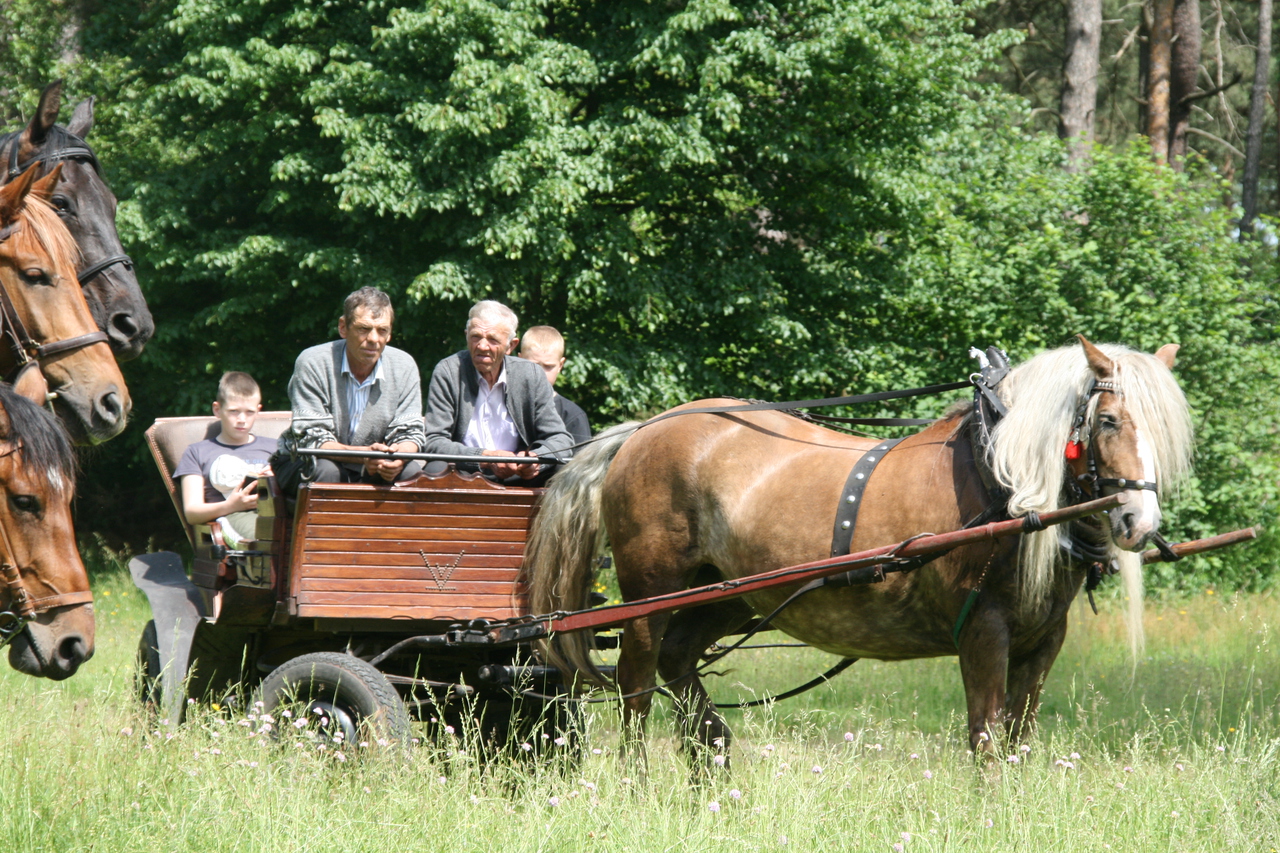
352,688
149,688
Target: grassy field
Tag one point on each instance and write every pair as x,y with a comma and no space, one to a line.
1180,755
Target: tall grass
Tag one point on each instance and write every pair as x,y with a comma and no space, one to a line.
1179,754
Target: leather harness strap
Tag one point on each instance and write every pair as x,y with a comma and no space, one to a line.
851,496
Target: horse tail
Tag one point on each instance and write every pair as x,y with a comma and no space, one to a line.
562,547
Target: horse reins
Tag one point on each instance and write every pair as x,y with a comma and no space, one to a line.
23,607
77,151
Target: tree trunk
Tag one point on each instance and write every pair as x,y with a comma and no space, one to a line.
1159,48
1186,70
1257,114
1080,75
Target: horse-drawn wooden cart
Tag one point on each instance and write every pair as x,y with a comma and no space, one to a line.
377,605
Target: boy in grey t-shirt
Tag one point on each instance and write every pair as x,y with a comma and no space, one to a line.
212,472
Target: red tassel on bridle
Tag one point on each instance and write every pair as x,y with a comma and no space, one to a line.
1073,450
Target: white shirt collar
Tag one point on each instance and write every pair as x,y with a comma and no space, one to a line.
373,377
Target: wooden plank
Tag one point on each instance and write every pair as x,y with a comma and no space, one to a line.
411,546
410,586
415,534
450,504
403,573
450,613
359,563
372,520
402,601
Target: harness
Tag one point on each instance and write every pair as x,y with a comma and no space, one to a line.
23,607
74,150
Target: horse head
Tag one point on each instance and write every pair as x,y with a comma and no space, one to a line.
45,584
46,318
1129,417
87,207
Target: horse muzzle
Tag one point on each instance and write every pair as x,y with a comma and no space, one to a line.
51,650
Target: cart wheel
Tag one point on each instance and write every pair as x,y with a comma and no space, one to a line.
353,697
149,687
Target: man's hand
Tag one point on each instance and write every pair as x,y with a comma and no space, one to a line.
388,469
503,470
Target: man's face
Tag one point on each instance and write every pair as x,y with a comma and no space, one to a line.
548,359
488,342
367,335
237,416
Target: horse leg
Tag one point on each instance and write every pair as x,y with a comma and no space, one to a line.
1026,677
687,638
984,663
637,665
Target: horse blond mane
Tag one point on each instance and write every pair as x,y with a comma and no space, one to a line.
1043,395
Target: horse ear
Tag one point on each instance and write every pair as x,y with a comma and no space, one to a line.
82,119
13,195
46,114
43,188
31,383
1098,362
1167,354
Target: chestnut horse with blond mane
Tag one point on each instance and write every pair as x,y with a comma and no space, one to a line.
708,496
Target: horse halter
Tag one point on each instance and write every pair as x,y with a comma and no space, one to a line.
22,606
76,151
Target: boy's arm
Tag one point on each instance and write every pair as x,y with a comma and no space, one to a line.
199,511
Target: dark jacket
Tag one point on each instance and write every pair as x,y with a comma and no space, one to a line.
451,400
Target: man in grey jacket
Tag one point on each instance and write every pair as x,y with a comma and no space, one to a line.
483,401
358,393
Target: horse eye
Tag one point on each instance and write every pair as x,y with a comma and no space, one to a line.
25,503
1108,422
35,275
61,203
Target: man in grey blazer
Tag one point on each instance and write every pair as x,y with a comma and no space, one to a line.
357,393
483,401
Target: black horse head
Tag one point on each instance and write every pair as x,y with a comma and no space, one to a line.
88,207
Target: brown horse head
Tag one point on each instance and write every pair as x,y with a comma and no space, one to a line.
37,273
37,481
87,207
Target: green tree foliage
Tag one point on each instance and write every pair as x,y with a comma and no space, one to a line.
777,200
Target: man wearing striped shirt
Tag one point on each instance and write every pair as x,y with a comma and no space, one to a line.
358,393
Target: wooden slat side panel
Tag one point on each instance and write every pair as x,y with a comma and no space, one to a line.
363,552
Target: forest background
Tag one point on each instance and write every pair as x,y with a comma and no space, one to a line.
771,200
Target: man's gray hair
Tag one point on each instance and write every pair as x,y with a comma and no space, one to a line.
495,313
372,300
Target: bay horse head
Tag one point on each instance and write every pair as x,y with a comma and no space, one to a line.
46,608
44,317
87,207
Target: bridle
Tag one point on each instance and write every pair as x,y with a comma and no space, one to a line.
23,607
24,348
76,150
1089,485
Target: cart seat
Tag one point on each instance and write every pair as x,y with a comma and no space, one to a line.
169,438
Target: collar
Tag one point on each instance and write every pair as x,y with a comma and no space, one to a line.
370,380
485,386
